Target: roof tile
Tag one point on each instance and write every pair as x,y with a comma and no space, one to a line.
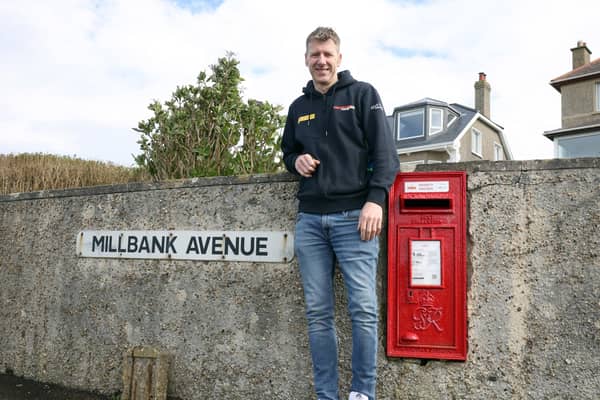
591,68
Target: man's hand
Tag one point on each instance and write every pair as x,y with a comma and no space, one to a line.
305,165
370,221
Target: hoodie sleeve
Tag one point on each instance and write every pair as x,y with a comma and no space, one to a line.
289,146
382,147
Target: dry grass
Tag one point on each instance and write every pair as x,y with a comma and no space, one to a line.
33,172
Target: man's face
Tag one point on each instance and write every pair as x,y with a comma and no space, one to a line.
323,60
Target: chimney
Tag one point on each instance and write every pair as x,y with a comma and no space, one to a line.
482,95
581,54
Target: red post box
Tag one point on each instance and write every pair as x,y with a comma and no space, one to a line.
426,315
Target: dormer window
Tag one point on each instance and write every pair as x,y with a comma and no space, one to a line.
436,118
597,96
450,119
411,124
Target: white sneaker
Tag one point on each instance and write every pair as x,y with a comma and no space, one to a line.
357,396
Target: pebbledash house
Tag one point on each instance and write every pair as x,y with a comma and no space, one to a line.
430,131
579,135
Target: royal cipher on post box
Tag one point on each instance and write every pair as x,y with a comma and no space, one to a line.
426,315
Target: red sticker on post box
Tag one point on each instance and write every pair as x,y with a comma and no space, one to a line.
426,187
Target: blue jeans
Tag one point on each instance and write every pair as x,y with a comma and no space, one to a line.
320,240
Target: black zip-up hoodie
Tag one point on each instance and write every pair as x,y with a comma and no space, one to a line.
347,131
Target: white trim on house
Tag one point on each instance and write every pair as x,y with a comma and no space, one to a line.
454,119
437,146
564,131
409,166
500,131
477,142
505,146
453,154
454,151
415,162
488,121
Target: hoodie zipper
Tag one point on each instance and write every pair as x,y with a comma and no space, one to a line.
328,112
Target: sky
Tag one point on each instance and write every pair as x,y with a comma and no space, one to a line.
77,75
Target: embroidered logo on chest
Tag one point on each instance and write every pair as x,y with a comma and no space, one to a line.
344,108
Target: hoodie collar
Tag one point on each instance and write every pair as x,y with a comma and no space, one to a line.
344,79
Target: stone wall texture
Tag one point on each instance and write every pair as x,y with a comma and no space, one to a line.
237,330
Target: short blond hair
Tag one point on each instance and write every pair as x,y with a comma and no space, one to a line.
323,34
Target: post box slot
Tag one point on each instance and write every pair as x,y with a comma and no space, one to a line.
427,204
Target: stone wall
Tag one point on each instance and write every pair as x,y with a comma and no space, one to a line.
236,330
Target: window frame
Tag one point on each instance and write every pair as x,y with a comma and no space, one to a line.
439,128
557,143
412,111
452,120
477,145
597,93
498,152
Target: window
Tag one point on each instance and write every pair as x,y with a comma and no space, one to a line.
578,146
597,96
450,119
435,120
476,144
498,152
411,124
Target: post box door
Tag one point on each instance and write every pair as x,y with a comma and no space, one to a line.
426,267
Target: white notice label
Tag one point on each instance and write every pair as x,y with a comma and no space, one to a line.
253,246
425,263
427,187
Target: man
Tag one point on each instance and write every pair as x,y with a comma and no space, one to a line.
337,139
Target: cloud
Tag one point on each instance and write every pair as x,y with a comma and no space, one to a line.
78,75
403,52
199,6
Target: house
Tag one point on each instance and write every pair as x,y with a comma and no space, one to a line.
579,135
431,131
